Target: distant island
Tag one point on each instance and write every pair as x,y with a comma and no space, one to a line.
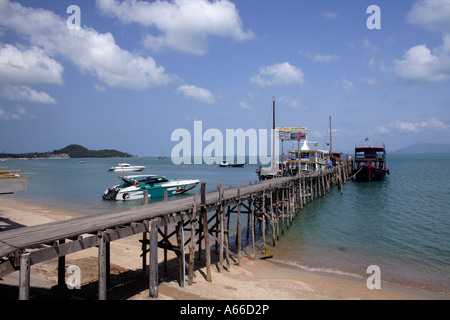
71,151
424,148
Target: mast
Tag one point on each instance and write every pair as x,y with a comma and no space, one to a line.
273,134
330,138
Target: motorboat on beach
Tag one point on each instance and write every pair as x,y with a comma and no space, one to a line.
126,167
231,165
133,187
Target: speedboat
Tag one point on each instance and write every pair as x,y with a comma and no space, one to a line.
126,167
132,187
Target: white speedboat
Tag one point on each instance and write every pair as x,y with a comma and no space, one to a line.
126,167
132,187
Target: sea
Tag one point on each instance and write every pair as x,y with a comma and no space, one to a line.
401,224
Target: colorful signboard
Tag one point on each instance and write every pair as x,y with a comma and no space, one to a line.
294,133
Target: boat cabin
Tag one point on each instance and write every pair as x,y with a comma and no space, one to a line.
311,160
373,155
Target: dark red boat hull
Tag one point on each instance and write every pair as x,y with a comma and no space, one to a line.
370,173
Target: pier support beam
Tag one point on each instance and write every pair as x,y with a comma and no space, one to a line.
153,259
24,276
102,266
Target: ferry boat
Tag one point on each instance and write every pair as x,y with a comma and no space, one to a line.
370,163
132,187
126,167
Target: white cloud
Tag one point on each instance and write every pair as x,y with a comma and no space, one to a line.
420,64
19,112
185,25
330,15
30,66
90,51
24,93
291,103
278,74
243,105
197,93
347,89
370,81
431,14
368,45
322,58
399,126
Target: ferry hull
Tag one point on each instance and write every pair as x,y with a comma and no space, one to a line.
369,173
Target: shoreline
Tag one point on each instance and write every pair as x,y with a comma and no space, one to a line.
253,280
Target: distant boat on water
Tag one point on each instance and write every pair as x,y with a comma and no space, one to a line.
126,167
370,162
231,165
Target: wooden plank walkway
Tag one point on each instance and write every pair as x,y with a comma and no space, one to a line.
23,247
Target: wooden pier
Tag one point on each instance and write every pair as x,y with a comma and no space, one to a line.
196,223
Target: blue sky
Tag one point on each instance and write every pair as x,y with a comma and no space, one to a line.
137,70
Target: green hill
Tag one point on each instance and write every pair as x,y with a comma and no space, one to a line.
71,151
77,151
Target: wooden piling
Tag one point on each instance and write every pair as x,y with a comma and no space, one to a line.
24,276
153,259
102,266
192,241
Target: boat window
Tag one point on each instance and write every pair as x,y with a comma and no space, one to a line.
359,155
155,180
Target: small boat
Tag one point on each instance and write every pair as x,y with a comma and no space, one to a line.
231,165
132,187
126,167
370,163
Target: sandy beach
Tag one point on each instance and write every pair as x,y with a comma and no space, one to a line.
253,280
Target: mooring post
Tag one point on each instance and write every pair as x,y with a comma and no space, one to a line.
24,276
153,259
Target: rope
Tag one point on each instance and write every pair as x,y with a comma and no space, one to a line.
355,173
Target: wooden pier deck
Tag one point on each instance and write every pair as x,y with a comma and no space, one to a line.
273,202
